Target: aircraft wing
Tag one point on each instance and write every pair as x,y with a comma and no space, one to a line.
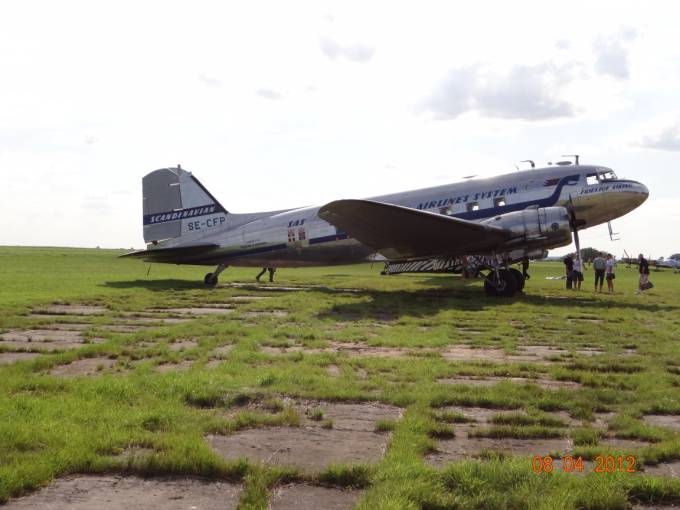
178,253
402,232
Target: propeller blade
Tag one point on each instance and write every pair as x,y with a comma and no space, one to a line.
573,223
577,242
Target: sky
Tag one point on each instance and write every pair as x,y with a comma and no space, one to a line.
283,104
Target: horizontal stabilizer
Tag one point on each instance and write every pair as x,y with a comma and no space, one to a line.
402,232
177,254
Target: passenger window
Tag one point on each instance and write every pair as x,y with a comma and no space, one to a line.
445,210
499,202
473,206
592,179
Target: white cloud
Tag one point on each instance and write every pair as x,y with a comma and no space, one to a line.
96,205
665,138
210,81
661,133
355,52
267,93
522,92
611,54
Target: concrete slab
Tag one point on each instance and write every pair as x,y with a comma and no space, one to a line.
7,358
111,492
84,366
196,311
309,448
310,497
668,421
72,310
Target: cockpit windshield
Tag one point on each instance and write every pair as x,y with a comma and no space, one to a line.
601,176
609,175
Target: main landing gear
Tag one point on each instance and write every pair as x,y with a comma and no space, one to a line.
210,279
503,282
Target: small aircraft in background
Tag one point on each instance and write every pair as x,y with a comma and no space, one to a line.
670,263
659,263
490,223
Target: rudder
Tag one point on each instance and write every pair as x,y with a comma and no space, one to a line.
175,204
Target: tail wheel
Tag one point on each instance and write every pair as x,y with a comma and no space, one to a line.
519,277
210,280
504,286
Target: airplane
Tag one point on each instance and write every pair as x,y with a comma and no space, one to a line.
494,221
670,263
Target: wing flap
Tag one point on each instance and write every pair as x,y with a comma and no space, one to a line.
402,232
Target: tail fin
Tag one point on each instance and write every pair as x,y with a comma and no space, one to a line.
176,204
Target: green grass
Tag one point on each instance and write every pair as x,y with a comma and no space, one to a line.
52,426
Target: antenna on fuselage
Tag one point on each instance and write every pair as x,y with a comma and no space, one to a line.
533,165
575,156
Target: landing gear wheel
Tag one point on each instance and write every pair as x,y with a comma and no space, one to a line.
505,286
519,277
210,280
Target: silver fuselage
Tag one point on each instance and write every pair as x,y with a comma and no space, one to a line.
298,237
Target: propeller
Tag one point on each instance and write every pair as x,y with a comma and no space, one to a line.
574,223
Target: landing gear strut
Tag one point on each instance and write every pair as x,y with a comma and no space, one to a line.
210,279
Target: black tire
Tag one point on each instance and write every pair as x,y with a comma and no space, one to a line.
519,277
506,286
489,287
210,280
509,283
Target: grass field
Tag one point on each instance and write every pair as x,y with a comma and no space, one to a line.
470,388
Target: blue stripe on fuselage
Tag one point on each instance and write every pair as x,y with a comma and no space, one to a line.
502,209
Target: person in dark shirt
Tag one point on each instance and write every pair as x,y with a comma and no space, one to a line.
643,268
600,266
569,267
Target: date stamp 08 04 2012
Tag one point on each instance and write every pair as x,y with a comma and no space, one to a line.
604,464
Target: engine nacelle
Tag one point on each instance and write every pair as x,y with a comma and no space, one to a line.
535,228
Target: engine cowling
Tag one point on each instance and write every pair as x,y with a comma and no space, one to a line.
535,228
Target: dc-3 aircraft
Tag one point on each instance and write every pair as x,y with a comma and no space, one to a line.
487,222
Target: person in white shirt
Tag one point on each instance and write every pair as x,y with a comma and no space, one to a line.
578,272
609,273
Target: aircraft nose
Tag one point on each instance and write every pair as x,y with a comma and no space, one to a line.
641,191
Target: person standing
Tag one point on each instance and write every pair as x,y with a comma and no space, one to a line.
578,272
271,270
599,265
525,268
609,273
643,269
569,267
